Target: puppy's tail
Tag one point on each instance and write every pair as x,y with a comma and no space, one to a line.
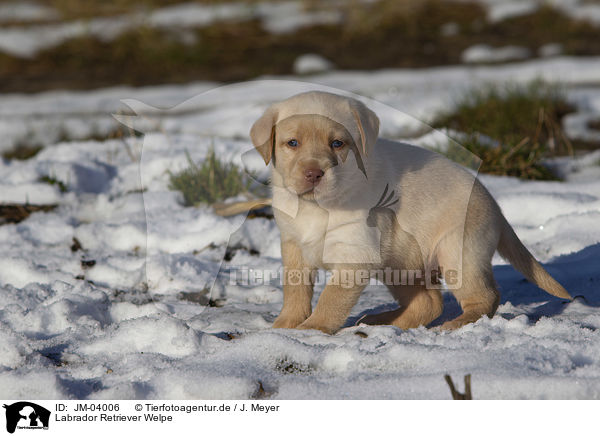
513,250
229,209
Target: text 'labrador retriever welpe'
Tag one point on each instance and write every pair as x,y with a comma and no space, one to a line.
362,207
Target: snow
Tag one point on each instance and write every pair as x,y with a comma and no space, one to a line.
141,322
27,41
483,53
311,63
502,10
25,11
284,17
549,50
498,10
582,10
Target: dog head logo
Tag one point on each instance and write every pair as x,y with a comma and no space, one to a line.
26,415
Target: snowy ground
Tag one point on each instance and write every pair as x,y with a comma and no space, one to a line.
138,324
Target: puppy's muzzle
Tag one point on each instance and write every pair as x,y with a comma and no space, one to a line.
313,175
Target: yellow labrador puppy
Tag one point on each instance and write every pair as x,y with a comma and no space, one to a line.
362,207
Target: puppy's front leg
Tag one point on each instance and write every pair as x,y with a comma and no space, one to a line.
337,300
297,287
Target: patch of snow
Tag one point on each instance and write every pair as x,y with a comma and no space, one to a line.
502,10
24,11
586,11
284,17
196,15
32,193
155,334
27,41
483,53
13,348
550,50
498,10
575,126
449,29
44,384
311,63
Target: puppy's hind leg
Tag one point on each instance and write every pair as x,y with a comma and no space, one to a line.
477,296
475,288
418,306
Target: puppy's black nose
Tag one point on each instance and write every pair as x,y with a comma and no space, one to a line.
313,175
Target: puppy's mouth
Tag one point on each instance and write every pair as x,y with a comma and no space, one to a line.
306,192
311,193
308,195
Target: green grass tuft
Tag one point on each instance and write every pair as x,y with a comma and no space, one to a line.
523,120
51,180
210,182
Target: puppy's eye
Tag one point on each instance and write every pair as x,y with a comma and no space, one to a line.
293,143
337,143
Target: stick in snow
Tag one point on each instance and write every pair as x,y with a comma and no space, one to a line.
457,395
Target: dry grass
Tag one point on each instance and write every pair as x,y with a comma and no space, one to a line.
22,151
384,34
547,25
594,124
524,120
13,213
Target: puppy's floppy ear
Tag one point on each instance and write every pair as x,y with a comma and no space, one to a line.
262,133
367,123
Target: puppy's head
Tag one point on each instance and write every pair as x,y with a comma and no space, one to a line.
310,134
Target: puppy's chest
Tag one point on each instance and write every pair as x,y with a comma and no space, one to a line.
308,228
332,237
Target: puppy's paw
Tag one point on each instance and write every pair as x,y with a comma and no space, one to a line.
451,325
311,325
287,322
